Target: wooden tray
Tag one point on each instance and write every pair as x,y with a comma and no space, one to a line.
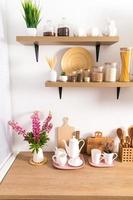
68,167
75,59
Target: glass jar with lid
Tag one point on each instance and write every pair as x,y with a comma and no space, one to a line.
49,29
63,28
110,72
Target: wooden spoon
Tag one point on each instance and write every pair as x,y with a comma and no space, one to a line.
130,133
120,135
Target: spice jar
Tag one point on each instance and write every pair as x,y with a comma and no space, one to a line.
49,29
63,29
74,76
110,72
80,75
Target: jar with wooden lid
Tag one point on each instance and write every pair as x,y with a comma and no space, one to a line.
110,72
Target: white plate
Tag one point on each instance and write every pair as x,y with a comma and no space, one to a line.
73,164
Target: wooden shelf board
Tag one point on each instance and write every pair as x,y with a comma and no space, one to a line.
90,84
46,40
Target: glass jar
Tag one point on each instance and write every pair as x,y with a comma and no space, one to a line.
49,29
97,74
110,72
80,75
126,55
63,28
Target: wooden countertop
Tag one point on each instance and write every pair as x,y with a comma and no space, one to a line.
27,182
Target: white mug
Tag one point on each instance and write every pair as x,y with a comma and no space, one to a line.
96,156
109,157
61,159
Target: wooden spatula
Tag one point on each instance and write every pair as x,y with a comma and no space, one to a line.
130,133
120,135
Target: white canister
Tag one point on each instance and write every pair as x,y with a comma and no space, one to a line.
110,72
53,75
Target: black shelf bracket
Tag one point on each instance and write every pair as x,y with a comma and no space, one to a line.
97,51
36,46
118,92
60,92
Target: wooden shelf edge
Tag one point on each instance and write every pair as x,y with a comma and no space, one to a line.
90,84
46,40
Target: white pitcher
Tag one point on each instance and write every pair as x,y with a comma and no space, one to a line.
73,149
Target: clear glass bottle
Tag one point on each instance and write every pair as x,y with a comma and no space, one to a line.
49,29
63,28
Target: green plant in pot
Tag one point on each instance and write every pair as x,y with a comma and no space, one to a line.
31,16
63,77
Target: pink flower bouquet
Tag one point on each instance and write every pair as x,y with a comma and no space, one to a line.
38,137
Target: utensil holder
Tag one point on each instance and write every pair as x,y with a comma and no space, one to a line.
125,154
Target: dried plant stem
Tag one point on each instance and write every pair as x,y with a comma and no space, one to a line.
51,62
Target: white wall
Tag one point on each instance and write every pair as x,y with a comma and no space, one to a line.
88,109
5,107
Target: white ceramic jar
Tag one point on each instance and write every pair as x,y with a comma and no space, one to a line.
110,72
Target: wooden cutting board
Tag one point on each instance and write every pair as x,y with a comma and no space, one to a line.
65,132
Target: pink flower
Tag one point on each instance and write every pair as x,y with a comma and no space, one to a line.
46,126
36,126
17,128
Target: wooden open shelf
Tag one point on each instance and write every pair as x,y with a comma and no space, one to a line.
117,85
46,40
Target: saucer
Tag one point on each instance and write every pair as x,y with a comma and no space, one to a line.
75,162
101,164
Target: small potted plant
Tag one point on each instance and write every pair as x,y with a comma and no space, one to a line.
37,137
31,16
63,77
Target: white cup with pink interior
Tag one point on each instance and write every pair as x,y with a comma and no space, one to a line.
109,157
96,156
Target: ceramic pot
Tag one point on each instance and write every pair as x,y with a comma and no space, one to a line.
53,75
31,31
38,157
63,78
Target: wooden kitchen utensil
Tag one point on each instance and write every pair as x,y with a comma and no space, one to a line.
130,133
120,135
64,132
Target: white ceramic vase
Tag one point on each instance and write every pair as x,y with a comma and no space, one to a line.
31,31
63,78
38,157
53,75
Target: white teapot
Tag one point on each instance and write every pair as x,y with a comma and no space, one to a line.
73,150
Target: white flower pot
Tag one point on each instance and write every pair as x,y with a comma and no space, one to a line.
31,31
53,75
63,78
38,157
